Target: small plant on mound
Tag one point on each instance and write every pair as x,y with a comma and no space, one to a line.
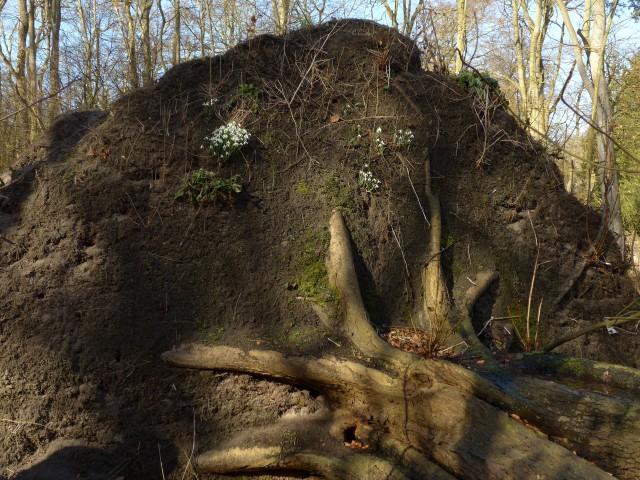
526,332
204,186
403,139
356,136
247,94
246,91
473,80
227,140
367,181
379,145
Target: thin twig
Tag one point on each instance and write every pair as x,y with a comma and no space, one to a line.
533,277
161,466
404,259
607,322
22,422
417,197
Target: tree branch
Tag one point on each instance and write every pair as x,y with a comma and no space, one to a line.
591,328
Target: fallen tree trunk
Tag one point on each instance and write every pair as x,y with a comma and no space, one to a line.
419,418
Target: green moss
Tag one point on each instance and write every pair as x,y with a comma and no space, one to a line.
246,94
268,139
303,188
337,194
298,336
313,281
448,240
288,441
68,177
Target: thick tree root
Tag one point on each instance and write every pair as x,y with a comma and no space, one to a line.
606,374
436,302
417,418
484,280
466,436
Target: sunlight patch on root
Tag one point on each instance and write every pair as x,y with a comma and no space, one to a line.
276,460
327,373
311,444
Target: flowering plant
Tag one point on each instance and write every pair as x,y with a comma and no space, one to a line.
378,143
403,138
367,181
227,140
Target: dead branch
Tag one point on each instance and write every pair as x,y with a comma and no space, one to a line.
608,322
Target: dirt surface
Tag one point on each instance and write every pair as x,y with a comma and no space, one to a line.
102,269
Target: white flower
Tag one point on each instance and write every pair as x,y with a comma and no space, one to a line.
367,181
228,139
403,138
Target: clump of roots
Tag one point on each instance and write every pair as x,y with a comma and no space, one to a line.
411,417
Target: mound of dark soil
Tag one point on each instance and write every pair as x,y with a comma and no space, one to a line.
101,268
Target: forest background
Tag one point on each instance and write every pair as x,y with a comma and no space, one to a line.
569,70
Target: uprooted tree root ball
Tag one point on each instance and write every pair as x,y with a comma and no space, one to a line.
348,195
417,418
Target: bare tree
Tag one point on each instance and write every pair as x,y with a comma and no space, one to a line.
280,12
534,104
145,32
403,15
175,42
598,25
461,33
54,18
128,24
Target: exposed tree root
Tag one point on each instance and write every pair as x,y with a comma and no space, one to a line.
484,280
607,374
420,418
436,302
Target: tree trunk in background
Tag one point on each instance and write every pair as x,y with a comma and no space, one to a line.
100,94
602,114
280,12
461,34
596,84
32,73
145,31
175,43
128,25
534,104
229,31
517,42
538,114
54,58
21,65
